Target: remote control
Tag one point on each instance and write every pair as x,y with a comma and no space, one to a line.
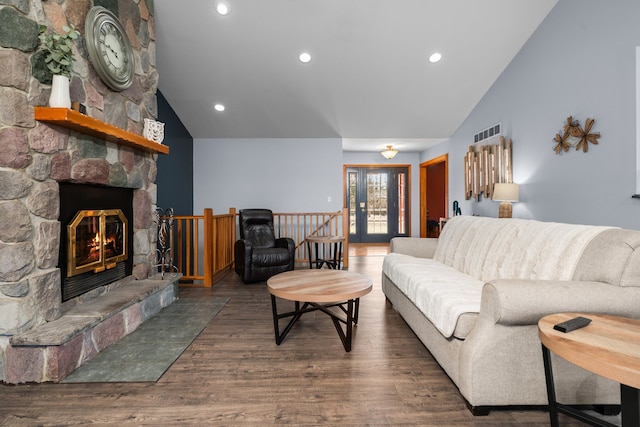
572,324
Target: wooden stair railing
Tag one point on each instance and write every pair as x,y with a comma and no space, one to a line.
300,225
202,245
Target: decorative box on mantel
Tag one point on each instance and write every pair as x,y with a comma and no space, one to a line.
73,120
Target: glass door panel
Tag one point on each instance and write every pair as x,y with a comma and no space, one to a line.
377,199
377,203
352,181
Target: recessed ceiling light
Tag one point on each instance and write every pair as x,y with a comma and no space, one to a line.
219,107
222,8
435,57
305,57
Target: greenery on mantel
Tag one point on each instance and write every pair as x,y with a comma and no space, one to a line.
59,47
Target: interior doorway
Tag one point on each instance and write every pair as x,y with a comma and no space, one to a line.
378,202
434,192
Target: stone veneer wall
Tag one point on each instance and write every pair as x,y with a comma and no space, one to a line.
35,156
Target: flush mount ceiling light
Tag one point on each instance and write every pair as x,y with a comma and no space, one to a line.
304,57
219,107
435,57
389,153
222,9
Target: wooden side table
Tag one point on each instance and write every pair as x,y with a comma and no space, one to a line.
334,251
609,346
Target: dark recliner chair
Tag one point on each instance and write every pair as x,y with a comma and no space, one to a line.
258,254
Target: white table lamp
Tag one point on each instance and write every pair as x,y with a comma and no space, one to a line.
506,193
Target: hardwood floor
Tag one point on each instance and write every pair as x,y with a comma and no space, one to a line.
235,374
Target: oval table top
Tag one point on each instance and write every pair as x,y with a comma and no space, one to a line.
325,239
319,286
609,346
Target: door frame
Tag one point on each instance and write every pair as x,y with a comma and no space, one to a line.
444,158
345,202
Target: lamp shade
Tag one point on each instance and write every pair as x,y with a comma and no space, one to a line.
504,192
389,153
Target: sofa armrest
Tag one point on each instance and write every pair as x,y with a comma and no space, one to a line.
417,247
524,302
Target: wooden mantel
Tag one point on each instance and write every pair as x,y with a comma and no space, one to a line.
73,120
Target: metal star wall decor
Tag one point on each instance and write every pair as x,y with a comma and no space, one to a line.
573,130
562,142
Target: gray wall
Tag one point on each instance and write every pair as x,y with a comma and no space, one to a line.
581,63
284,175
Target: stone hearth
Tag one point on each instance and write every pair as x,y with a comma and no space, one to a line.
36,156
53,350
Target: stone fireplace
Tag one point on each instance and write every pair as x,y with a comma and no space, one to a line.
38,161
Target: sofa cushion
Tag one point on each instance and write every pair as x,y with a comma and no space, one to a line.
490,249
466,322
440,292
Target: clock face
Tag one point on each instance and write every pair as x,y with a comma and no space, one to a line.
109,48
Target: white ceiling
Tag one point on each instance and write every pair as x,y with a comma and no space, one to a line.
369,80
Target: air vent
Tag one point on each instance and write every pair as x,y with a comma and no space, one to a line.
488,133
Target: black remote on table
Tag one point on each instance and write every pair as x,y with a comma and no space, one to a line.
572,324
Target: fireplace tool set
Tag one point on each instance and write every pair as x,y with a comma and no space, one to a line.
164,219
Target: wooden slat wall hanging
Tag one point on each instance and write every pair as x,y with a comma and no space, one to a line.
486,165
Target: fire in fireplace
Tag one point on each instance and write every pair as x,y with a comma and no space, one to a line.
96,246
97,241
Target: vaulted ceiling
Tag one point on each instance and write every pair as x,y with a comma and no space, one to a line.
369,81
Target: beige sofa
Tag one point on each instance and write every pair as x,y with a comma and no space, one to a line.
474,297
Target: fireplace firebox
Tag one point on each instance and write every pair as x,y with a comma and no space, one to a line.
96,240
96,237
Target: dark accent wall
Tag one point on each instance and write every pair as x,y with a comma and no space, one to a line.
175,170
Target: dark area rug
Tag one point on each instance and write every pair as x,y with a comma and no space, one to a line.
146,353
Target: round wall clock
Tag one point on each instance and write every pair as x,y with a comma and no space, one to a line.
109,48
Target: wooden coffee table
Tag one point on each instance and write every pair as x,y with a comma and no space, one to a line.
609,346
334,292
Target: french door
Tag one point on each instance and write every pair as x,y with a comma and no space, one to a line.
378,202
